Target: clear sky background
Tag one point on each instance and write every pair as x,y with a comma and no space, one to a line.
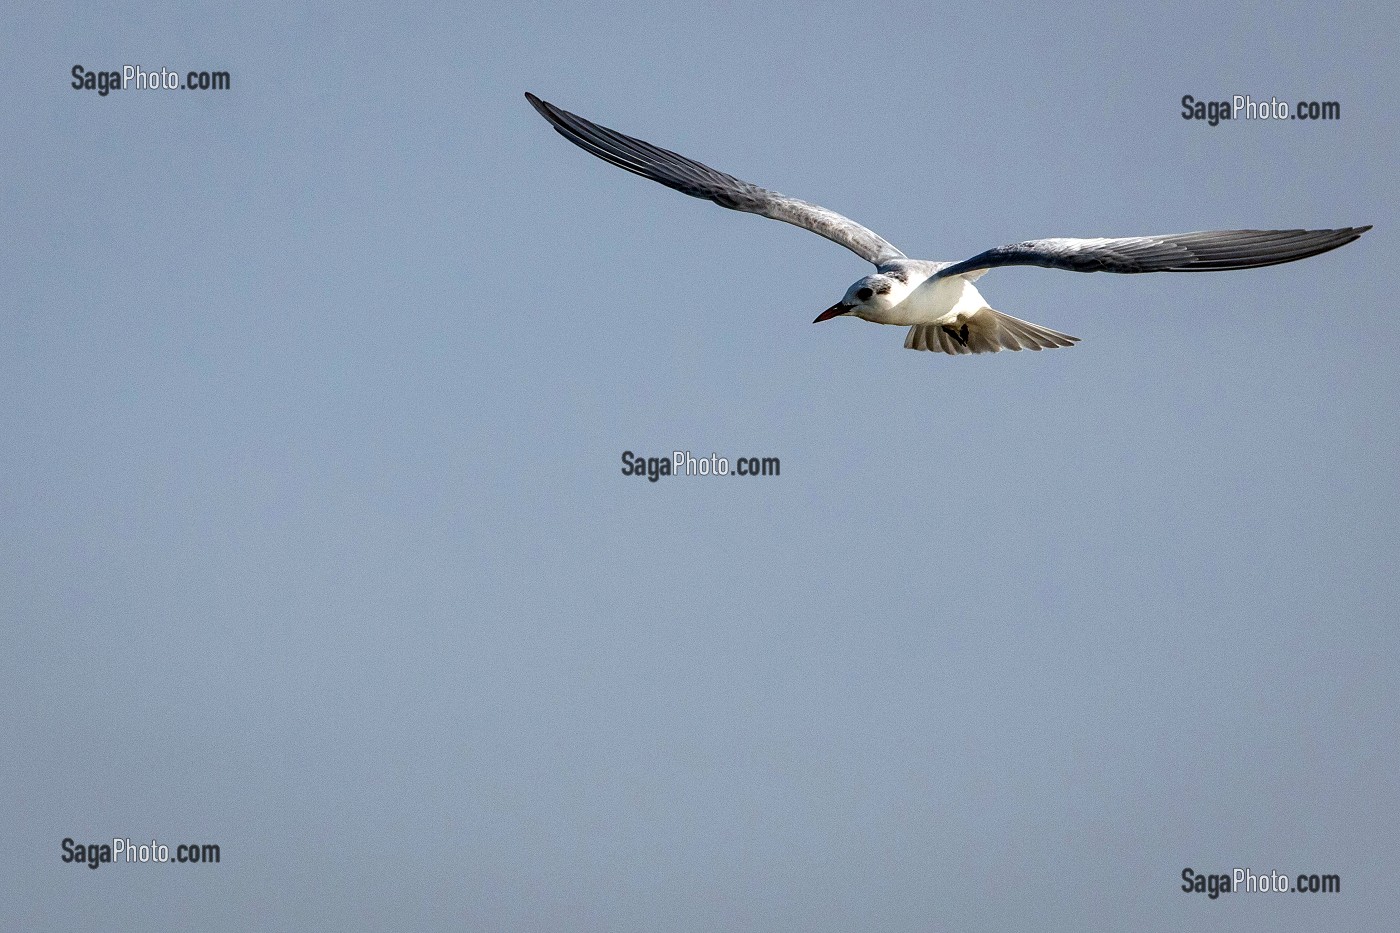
316,544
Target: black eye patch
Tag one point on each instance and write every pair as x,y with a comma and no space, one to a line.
864,294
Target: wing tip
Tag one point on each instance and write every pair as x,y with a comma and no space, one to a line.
545,109
1341,235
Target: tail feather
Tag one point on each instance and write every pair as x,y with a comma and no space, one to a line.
985,331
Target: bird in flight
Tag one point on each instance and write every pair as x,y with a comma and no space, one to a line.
937,300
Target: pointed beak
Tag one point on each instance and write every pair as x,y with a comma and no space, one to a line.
835,310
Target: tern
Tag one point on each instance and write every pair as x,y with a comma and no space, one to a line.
937,301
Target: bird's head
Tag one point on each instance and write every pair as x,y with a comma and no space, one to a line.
869,297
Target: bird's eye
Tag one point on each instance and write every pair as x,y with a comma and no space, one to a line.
864,294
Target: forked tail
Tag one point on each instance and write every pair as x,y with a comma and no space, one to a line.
984,331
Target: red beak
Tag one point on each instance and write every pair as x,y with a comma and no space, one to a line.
835,310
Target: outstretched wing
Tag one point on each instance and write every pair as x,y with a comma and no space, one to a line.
1206,251
700,181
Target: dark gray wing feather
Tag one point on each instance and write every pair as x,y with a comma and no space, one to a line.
1206,251
700,181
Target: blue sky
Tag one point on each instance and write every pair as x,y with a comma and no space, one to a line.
318,546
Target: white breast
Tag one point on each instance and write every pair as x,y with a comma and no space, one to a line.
937,299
